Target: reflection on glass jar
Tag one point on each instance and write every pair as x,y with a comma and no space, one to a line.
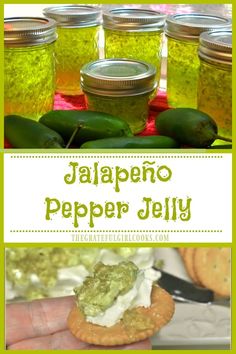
120,87
134,34
29,70
183,31
78,29
215,79
132,109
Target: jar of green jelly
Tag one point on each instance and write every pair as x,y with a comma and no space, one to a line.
121,87
78,29
183,31
29,68
215,79
134,34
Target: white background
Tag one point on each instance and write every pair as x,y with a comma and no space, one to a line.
206,180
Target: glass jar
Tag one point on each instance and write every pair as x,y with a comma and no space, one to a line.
29,70
121,87
215,79
183,31
78,30
134,34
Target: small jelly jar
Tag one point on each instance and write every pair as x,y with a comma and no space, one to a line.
183,31
29,66
121,87
134,34
78,29
215,79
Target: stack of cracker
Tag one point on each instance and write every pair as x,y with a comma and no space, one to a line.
209,267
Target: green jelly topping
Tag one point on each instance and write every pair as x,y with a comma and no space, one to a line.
215,96
22,263
182,73
133,109
29,80
145,46
74,48
100,290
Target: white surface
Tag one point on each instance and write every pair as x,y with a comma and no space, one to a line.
192,324
196,325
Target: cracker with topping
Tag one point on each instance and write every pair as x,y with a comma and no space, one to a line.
119,304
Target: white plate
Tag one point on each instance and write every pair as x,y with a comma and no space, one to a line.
193,325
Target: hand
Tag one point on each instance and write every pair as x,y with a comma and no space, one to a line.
41,324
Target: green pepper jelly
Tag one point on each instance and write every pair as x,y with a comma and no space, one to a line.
120,87
100,290
215,79
25,265
29,71
134,34
183,31
78,29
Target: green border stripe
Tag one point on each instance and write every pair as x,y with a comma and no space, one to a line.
208,151
116,231
117,151
116,2
114,245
